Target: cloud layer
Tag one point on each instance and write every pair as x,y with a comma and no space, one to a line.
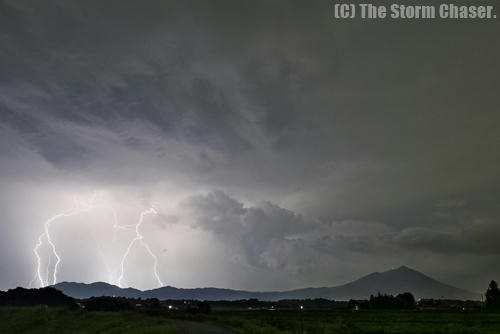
284,148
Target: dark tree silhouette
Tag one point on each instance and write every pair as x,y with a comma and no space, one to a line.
493,296
33,297
407,300
201,307
401,301
105,303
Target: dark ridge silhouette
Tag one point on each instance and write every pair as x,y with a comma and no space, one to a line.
34,297
106,303
109,304
392,282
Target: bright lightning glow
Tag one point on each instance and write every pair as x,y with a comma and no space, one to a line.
139,237
81,207
48,267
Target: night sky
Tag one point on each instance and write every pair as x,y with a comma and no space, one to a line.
281,148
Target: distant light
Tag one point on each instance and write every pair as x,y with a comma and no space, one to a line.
301,307
170,307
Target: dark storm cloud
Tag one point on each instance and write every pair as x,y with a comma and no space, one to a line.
259,228
457,227
253,229
355,142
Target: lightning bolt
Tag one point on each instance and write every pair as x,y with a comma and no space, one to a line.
81,207
139,237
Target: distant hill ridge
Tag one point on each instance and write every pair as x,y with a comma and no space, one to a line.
402,279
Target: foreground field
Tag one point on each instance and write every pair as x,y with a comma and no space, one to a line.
44,320
47,320
372,322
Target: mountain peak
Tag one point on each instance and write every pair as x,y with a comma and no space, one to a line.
404,268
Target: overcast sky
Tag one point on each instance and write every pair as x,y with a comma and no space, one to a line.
281,148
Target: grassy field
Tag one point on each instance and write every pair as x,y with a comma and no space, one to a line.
43,320
371,322
48,320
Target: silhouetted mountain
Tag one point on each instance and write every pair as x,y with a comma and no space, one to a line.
97,289
393,282
400,280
